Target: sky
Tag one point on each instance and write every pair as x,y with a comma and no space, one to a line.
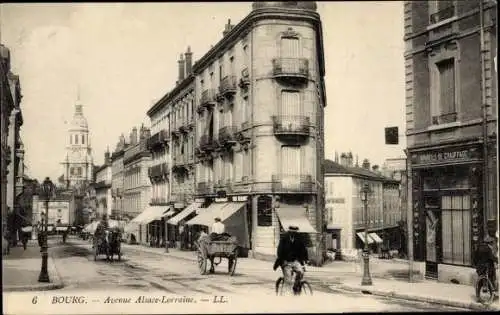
123,56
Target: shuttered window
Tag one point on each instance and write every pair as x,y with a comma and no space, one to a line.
447,86
246,163
290,160
289,47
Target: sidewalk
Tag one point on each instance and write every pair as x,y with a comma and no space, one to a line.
389,277
21,268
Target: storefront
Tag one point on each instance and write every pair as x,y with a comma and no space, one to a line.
447,207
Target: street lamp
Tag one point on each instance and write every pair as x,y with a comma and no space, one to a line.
367,280
48,190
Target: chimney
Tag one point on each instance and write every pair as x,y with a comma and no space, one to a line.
375,168
181,69
366,164
349,159
189,60
133,136
343,159
227,28
107,157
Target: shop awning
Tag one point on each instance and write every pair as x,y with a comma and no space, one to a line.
152,213
291,215
361,235
169,212
184,213
375,238
223,210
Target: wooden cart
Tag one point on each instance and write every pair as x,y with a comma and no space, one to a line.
210,250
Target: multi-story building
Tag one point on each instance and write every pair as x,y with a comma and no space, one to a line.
117,179
395,168
7,106
102,187
172,149
345,216
258,102
136,185
12,146
451,119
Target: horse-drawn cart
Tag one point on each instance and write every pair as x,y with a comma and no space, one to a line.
208,249
109,244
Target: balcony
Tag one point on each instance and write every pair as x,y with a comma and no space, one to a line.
157,140
219,185
208,98
442,15
243,134
291,126
158,201
206,143
293,69
227,136
205,188
158,171
228,86
292,184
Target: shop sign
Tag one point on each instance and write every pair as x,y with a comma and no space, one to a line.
240,198
221,200
445,156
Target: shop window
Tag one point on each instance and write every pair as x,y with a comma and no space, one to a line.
264,211
456,231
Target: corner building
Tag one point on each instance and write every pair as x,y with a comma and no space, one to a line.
259,129
451,119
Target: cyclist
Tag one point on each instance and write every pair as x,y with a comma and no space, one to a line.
292,254
485,260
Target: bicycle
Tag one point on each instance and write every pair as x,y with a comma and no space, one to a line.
484,285
304,286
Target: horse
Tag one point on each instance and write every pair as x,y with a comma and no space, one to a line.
114,238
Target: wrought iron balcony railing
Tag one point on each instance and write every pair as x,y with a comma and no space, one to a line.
443,14
444,118
208,97
158,170
228,85
206,143
227,135
297,68
158,139
291,125
292,183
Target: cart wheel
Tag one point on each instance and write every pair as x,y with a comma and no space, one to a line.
202,262
232,263
119,256
95,253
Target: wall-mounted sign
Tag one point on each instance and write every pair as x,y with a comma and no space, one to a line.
240,198
445,155
220,200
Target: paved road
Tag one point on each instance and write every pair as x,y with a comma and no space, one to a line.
148,273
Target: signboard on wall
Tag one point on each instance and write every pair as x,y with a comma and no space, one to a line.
446,155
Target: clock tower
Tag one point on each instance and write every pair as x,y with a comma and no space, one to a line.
78,162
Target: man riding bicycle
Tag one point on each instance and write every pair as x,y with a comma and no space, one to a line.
485,260
292,256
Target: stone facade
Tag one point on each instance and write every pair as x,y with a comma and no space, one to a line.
117,178
257,90
451,111
102,186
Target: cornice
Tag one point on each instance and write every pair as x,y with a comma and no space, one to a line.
242,28
171,95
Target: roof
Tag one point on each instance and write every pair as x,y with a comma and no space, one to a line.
332,167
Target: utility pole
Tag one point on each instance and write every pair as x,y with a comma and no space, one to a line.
409,215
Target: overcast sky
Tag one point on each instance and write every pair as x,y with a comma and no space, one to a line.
124,56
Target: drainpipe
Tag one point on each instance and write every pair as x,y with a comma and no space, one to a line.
409,215
484,108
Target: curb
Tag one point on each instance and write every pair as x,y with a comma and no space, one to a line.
393,294
56,282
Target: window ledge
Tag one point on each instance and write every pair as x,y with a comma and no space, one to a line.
441,23
444,126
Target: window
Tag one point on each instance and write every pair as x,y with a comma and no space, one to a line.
70,139
290,103
76,139
441,10
290,160
447,86
290,47
264,211
456,233
83,139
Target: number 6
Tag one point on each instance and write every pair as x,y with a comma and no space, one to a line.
34,300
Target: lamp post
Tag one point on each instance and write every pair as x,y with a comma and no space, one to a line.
367,280
48,190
